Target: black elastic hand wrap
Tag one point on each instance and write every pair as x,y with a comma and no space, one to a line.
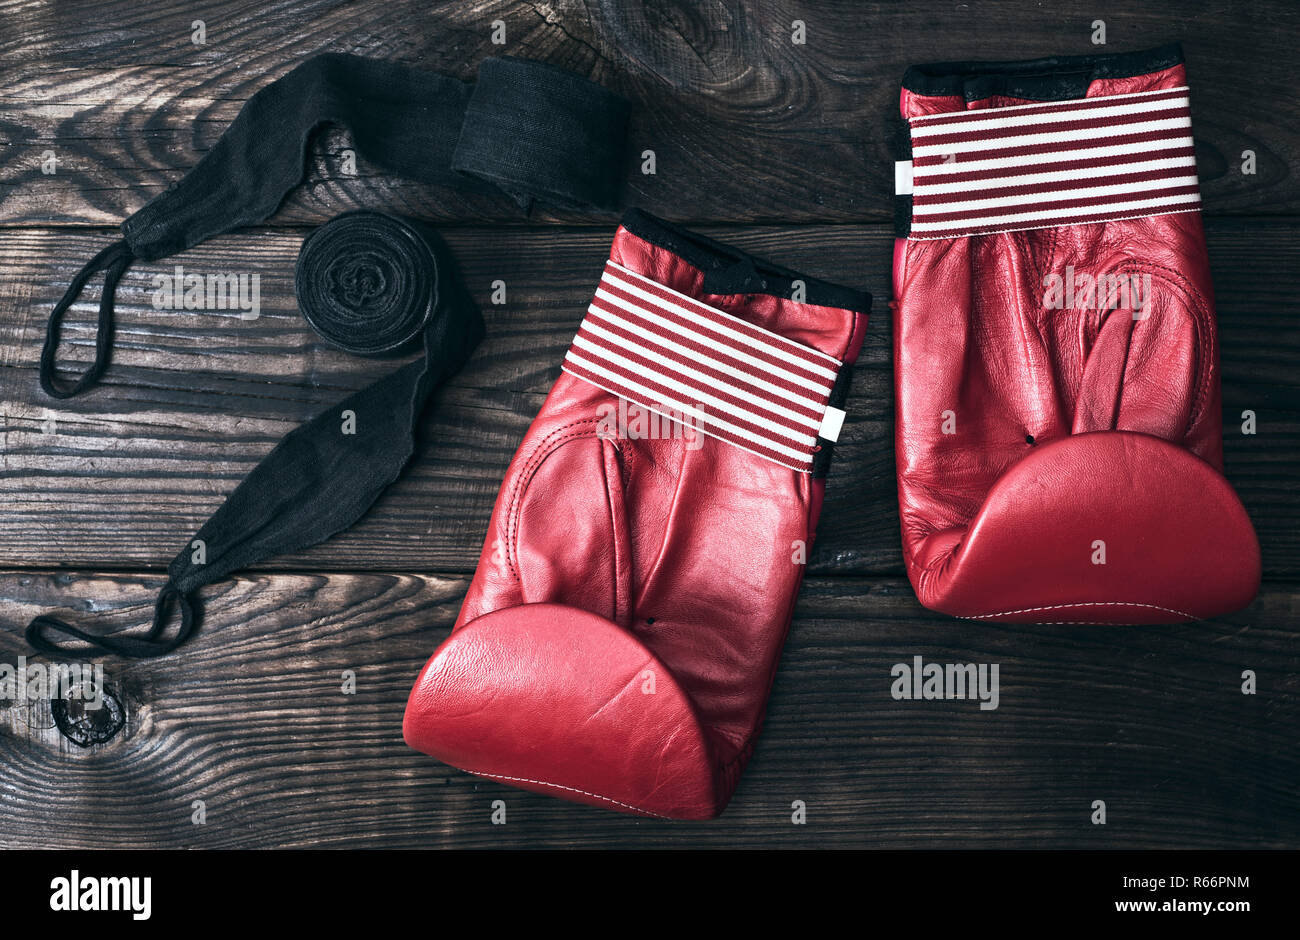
539,132
368,283
364,280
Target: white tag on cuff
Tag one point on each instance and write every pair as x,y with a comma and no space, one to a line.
902,177
832,422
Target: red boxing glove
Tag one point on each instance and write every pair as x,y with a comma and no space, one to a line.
1058,412
622,631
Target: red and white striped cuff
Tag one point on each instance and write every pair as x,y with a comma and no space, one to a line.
1045,165
695,364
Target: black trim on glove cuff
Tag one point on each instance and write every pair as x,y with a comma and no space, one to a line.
729,270
1058,78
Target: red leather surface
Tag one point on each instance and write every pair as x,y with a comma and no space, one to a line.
997,519
648,555
523,693
1177,541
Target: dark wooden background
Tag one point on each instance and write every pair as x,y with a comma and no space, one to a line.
781,148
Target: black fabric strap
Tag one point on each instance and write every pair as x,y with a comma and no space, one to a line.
142,646
540,132
526,128
839,399
360,268
113,260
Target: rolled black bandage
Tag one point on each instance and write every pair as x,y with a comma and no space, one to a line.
367,282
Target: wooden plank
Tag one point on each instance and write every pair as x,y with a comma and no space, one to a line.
123,476
250,718
746,125
196,401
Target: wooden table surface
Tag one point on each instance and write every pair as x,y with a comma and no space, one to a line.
783,149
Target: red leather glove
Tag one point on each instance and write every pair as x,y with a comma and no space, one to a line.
620,637
1058,413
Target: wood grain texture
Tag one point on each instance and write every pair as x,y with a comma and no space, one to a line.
781,149
123,476
128,102
194,401
251,720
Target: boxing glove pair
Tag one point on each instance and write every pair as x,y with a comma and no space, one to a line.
1058,441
